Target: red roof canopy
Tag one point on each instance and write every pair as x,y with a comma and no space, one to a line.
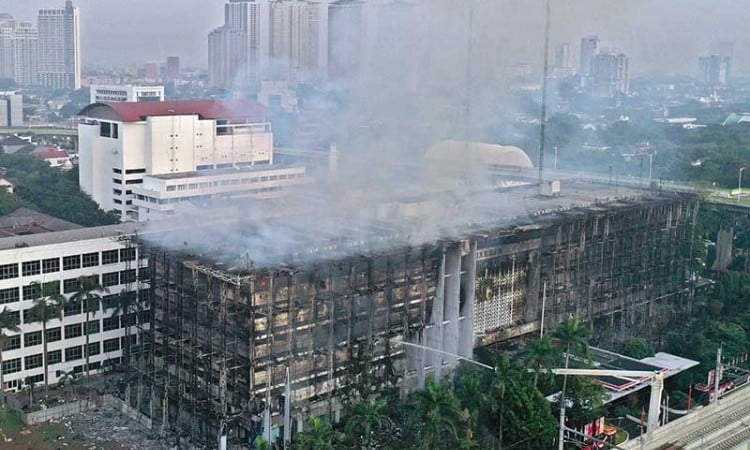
206,109
50,154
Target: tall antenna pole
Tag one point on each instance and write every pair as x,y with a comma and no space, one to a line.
469,76
543,125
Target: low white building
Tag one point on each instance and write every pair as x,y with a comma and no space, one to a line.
160,195
55,260
122,143
108,93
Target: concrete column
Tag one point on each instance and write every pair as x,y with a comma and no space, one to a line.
433,335
468,280
451,306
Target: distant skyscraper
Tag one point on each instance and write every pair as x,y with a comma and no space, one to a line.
151,71
589,47
173,68
11,111
562,56
346,39
714,69
610,74
18,51
60,47
281,40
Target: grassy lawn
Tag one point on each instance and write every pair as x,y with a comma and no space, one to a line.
46,436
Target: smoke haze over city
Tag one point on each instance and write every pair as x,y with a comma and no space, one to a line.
664,36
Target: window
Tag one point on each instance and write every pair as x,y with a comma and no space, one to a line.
138,181
129,171
73,353
32,292
16,317
93,327
116,170
90,259
127,254
70,285
127,276
51,288
117,202
111,323
32,339
8,271
116,180
94,348
110,257
13,342
71,262
9,295
127,320
171,188
53,334
33,361
111,345
115,133
73,330
105,129
34,379
31,268
54,357
72,308
51,265
144,274
111,279
117,191
28,317
11,366
110,301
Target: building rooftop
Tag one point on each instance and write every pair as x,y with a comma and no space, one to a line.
224,171
205,109
24,222
68,235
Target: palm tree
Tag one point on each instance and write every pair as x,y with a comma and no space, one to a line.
88,295
319,435
8,323
437,412
367,422
46,308
572,335
541,355
506,379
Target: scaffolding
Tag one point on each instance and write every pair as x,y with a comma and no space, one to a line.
243,351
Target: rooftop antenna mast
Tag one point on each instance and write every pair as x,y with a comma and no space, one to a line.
543,124
469,76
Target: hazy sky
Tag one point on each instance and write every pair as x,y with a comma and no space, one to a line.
659,35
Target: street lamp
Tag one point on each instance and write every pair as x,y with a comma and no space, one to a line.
739,185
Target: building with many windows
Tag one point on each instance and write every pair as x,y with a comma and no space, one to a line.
137,156
18,51
60,47
36,260
100,93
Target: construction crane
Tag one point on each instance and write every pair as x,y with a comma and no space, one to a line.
657,386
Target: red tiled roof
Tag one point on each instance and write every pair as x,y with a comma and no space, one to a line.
206,109
49,154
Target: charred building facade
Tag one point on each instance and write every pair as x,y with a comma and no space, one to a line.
236,351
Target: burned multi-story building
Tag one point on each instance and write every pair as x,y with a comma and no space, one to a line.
238,348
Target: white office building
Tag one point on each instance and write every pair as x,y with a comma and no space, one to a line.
55,260
18,51
60,47
172,152
112,93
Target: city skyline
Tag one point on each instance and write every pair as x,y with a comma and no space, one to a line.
111,43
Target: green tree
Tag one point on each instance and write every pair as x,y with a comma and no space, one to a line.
507,375
368,424
48,305
541,355
572,335
8,324
318,435
637,348
87,293
436,414
585,397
